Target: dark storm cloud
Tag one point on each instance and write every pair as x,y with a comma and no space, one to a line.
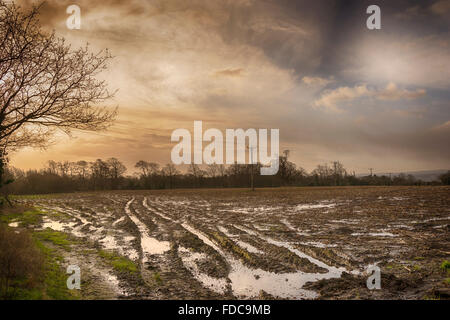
307,36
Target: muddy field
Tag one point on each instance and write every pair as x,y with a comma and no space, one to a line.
292,243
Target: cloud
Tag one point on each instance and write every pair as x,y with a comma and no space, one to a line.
332,98
317,81
412,60
419,113
441,7
442,127
392,92
230,72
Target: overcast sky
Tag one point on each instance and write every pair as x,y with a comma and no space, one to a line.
336,90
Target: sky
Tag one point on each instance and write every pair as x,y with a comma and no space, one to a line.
312,69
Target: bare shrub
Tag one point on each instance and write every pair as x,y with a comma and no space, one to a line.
20,262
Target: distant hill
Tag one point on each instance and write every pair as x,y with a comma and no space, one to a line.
425,175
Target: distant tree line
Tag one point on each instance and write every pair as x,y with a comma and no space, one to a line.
110,175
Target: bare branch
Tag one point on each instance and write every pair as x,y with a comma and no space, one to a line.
44,84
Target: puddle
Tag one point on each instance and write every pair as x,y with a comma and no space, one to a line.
237,210
247,283
70,212
58,225
250,232
374,234
118,221
218,285
115,283
401,226
261,228
145,204
434,219
301,207
149,244
292,228
107,280
93,233
252,210
318,244
54,225
110,243
334,272
346,221
240,243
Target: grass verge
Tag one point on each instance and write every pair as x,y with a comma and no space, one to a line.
48,274
24,217
118,262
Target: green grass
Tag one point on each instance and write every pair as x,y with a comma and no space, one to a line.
57,238
25,219
33,196
445,266
157,277
227,243
118,262
55,214
394,266
431,297
55,279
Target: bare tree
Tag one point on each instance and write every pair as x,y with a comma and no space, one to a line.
143,166
222,170
52,167
82,168
322,173
287,169
116,167
212,170
338,172
116,170
196,172
170,171
153,168
64,168
100,172
44,84
445,178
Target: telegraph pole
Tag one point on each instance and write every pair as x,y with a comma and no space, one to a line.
335,173
251,166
